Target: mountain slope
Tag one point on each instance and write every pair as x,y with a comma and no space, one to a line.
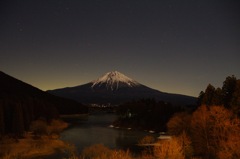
116,88
14,89
21,103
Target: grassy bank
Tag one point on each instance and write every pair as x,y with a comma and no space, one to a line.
29,147
42,142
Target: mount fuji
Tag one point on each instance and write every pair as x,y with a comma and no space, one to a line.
114,81
116,88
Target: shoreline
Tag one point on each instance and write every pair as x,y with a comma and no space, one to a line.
33,146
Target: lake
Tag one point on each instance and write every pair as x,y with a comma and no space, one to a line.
95,130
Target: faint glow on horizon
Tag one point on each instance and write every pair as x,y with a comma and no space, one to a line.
159,44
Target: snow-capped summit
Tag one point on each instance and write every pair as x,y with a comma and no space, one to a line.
114,80
116,88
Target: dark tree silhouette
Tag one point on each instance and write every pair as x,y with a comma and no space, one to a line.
218,97
228,96
200,98
228,88
18,120
21,103
235,100
208,95
2,125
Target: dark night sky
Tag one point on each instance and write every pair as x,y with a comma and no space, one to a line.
176,46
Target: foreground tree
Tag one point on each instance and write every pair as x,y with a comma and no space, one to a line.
229,144
99,151
212,129
228,88
208,95
147,143
179,123
169,149
218,97
228,95
235,100
39,127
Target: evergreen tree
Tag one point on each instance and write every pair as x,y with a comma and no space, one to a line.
235,101
209,95
200,98
217,98
229,86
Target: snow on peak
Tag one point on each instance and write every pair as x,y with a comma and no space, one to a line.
114,79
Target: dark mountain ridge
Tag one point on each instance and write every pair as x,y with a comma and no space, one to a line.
116,88
21,103
12,88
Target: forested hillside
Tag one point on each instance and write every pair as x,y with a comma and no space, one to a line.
21,103
227,96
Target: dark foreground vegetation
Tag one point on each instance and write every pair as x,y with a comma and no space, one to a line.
212,131
42,141
21,103
227,96
209,131
147,114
